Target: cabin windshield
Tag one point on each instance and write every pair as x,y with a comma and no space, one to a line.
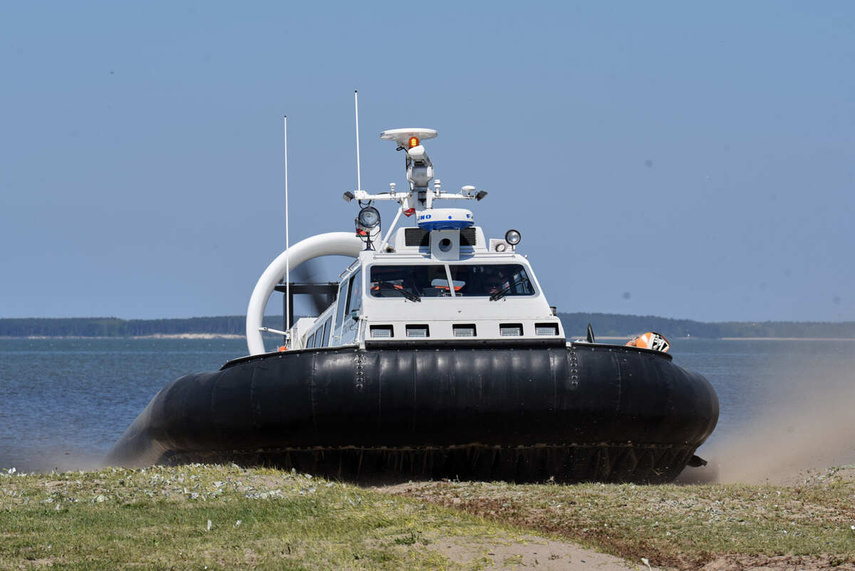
470,280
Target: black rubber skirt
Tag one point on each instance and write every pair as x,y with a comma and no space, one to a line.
584,412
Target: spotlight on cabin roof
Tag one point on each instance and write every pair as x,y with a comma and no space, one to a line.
513,237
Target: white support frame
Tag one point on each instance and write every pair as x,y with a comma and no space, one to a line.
330,244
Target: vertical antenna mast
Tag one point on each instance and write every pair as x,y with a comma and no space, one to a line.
287,234
358,170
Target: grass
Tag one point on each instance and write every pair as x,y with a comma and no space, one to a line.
809,522
220,517
226,517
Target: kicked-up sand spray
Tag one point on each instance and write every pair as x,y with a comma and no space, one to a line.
808,423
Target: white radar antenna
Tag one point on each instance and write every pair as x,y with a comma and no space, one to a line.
419,201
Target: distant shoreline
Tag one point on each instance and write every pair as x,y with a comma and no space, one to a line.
605,326
570,338
190,336
786,339
154,336
628,337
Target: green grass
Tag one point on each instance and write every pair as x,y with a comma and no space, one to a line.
681,526
220,517
225,517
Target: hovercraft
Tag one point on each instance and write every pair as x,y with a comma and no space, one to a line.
438,356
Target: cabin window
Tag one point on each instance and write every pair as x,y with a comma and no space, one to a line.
494,280
341,304
415,282
410,282
310,342
354,298
469,280
346,327
326,334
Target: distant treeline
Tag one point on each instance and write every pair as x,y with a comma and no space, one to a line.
575,325
612,325
115,327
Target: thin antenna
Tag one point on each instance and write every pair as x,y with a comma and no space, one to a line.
358,169
287,234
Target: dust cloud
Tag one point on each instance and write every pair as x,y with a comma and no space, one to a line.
73,460
808,424
51,460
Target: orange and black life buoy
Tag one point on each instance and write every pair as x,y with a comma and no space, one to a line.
650,340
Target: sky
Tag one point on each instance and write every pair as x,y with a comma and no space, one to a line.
677,159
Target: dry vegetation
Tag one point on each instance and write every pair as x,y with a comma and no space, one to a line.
808,524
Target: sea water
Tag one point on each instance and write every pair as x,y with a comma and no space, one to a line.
64,402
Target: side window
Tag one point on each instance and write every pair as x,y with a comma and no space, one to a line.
341,305
326,334
354,301
350,327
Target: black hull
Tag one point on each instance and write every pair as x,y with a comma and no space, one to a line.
521,413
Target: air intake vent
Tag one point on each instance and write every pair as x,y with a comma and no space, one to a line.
546,329
416,237
463,330
511,329
382,331
418,331
421,238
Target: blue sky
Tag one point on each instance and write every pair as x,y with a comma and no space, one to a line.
660,158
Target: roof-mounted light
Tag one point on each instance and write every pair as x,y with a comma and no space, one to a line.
402,136
368,225
368,218
413,142
513,237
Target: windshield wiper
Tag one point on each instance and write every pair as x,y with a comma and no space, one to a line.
407,294
507,289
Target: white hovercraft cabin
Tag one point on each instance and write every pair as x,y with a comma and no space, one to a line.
439,283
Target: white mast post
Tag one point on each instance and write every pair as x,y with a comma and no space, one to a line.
389,231
356,110
287,237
